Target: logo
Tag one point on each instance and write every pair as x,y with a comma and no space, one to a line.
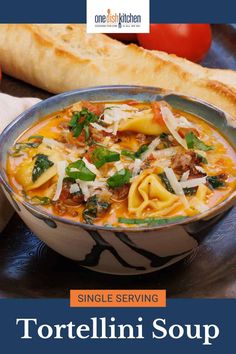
118,16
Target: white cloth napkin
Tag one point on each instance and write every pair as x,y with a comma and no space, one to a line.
10,108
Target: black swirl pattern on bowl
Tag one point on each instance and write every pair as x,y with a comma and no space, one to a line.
49,222
92,259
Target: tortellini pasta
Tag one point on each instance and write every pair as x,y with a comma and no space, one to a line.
144,124
147,194
24,171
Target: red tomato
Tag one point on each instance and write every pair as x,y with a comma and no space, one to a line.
190,41
183,131
123,37
96,108
157,116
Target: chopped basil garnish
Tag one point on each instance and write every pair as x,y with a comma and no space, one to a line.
194,143
42,163
166,182
119,178
101,155
78,170
164,136
150,221
80,120
135,155
94,208
215,182
128,153
86,132
140,151
38,200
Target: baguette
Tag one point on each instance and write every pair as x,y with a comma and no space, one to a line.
61,57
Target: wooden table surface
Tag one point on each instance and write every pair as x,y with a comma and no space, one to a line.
28,268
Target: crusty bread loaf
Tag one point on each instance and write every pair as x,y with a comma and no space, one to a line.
63,57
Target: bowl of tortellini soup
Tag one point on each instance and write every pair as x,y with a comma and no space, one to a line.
122,179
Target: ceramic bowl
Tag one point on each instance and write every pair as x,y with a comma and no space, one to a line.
116,250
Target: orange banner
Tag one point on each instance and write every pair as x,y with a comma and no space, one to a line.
118,298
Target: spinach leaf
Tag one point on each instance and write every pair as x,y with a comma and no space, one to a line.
78,170
194,143
140,151
215,182
202,159
128,153
42,163
190,191
101,155
135,155
80,120
119,178
164,136
166,182
94,208
150,221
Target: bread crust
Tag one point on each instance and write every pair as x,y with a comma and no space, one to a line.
61,57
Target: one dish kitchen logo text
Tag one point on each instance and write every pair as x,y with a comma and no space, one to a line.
110,16
117,19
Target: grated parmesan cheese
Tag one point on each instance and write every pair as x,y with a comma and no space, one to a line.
172,124
185,176
200,169
73,158
151,148
100,128
116,148
91,167
119,165
195,182
175,184
117,112
84,188
53,143
137,167
90,188
74,169
74,188
115,128
114,113
182,122
168,152
61,167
